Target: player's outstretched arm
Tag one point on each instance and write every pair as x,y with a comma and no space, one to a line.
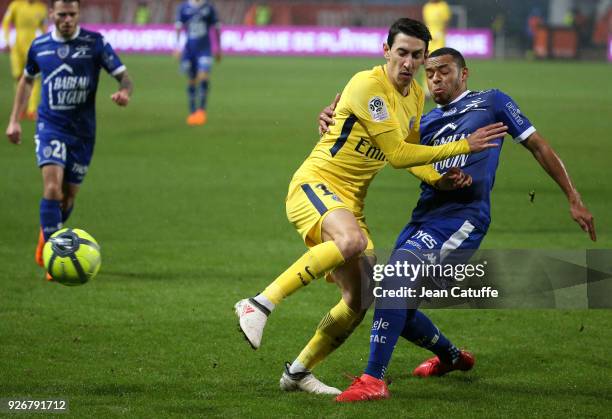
401,154
122,96
24,90
552,164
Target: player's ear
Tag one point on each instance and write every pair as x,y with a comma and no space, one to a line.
465,73
387,51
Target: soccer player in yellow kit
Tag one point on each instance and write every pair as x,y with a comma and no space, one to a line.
28,17
377,121
436,15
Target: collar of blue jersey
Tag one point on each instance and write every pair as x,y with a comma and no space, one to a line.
57,38
457,99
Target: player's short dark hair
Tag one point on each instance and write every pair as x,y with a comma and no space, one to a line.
52,2
457,56
409,27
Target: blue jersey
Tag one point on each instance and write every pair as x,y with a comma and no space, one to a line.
69,70
197,21
455,121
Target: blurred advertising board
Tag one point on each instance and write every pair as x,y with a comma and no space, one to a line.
285,40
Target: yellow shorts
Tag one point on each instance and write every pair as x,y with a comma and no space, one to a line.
309,202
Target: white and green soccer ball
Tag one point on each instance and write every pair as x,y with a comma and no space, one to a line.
72,256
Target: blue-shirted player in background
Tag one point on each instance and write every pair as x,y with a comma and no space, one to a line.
197,17
446,221
68,61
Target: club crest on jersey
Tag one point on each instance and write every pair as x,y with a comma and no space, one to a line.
411,123
63,51
378,109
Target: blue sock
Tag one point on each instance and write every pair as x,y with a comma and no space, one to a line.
421,331
50,216
66,213
203,93
386,329
191,92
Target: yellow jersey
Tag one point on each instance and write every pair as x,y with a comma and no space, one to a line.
27,18
349,157
436,17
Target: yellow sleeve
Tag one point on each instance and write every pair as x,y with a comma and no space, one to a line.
6,22
367,100
414,136
401,154
426,173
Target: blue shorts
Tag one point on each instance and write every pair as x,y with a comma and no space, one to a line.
438,243
442,236
72,154
194,63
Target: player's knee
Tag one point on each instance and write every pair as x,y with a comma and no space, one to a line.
351,243
53,190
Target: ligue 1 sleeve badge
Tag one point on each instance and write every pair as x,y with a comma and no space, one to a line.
378,109
63,51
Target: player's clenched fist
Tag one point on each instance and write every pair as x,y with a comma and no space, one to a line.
454,178
480,139
121,98
13,132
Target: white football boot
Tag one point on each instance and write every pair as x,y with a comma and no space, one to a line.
305,381
252,318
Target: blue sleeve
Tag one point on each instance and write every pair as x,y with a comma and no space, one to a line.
110,60
508,112
31,68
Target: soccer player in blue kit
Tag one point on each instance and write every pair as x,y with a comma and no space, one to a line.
197,17
68,61
447,221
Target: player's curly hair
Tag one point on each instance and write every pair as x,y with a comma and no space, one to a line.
409,27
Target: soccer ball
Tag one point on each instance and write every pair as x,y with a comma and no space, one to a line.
72,256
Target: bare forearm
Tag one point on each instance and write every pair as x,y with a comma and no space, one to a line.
125,83
24,90
553,165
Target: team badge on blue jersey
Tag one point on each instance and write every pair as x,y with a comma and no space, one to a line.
63,51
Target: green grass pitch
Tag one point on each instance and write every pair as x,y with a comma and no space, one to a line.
192,219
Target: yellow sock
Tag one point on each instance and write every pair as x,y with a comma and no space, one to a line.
332,331
312,265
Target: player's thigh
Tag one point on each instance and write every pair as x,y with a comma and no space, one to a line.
308,204
436,240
